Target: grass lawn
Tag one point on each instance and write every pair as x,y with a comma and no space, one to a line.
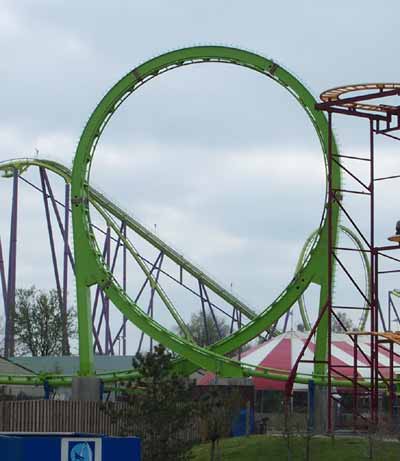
270,448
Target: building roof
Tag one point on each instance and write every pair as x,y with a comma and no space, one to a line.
8,367
281,352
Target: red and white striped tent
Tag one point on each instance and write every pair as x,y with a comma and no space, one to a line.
282,351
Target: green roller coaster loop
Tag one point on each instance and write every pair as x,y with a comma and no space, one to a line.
98,199
367,275
91,268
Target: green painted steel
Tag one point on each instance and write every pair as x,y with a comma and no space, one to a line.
99,200
130,375
90,266
95,196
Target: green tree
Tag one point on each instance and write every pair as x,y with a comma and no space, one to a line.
217,408
38,323
160,408
336,325
206,332
347,322
300,327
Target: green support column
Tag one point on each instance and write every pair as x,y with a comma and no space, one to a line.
321,349
86,359
83,283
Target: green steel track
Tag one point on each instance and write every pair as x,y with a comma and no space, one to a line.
91,268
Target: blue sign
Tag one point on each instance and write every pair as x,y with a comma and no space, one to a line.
74,447
81,451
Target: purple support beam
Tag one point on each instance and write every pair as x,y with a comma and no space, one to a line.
187,287
212,312
286,321
61,289
239,327
272,330
150,309
64,232
106,302
153,290
109,343
51,239
204,315
9,348
96,331
142,335
97,347
66,349
62,205
3,279
154,266
117,246
106,305
233,319
124,254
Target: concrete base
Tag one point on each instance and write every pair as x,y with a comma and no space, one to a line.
86,388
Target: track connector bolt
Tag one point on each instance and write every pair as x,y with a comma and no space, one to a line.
79,200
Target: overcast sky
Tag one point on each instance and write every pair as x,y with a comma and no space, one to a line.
221,160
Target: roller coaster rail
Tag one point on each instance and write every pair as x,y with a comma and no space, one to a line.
93,263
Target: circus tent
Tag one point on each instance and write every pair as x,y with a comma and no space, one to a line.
281,353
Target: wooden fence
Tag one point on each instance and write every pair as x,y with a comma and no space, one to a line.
58,416
74,416
88,417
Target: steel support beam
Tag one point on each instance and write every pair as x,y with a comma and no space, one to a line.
65,339
150,308
3,279
51,240
9,347
124,254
